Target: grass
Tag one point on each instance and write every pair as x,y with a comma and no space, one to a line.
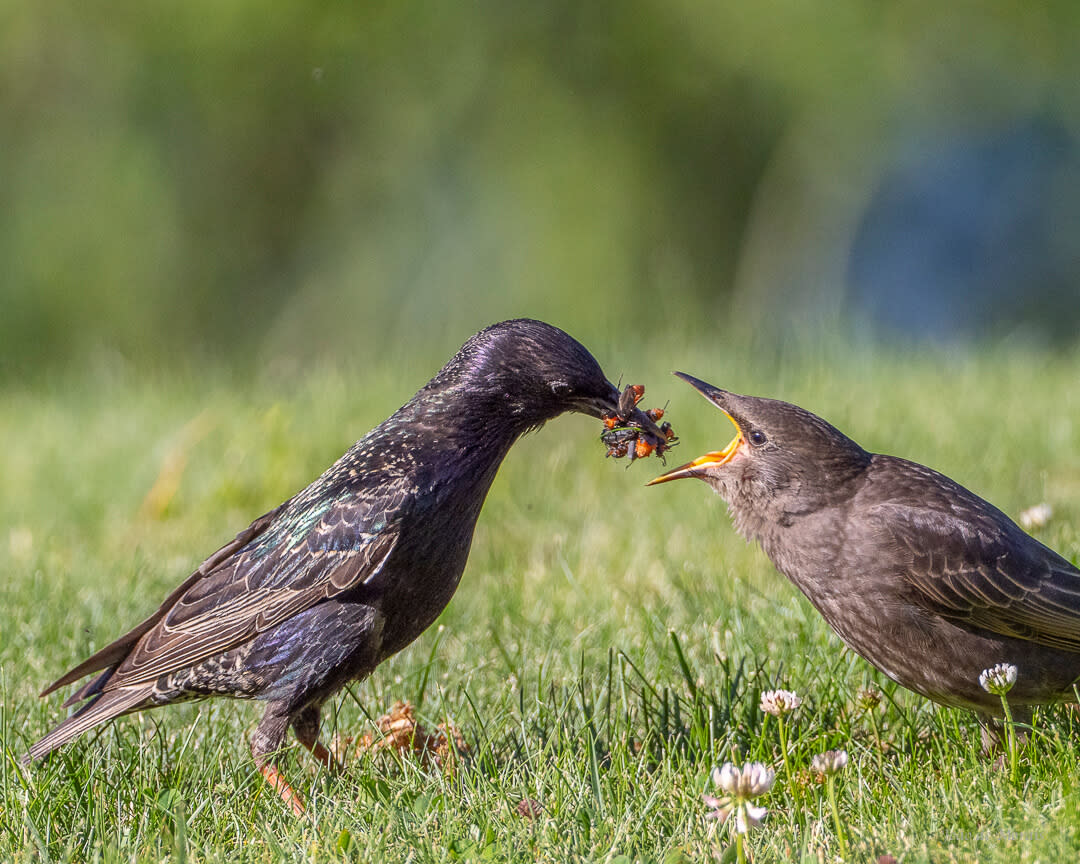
607,647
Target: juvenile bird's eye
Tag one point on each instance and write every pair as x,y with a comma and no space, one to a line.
757,437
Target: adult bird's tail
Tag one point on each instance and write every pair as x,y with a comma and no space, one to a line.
101,708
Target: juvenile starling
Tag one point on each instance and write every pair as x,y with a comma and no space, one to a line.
323,588
921,577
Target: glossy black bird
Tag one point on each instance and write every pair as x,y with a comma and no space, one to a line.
326,586
921,577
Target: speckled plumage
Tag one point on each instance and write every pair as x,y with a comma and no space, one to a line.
920,576
326,586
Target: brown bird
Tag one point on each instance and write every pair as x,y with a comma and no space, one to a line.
924,579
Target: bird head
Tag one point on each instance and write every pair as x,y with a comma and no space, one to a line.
782,461
530,372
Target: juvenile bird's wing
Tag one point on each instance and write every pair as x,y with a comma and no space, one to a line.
966,561
307,552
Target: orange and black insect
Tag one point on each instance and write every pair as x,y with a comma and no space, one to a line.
625,436
620,440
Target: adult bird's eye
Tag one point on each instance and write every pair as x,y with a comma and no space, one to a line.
561,389
757,437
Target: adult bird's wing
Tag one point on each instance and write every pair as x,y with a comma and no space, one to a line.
969,563
303,555
114,652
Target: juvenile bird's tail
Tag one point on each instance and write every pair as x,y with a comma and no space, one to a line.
103,707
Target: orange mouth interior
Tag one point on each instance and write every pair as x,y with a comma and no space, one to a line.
715,457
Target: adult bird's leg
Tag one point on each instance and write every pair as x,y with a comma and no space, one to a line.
266,742
306,726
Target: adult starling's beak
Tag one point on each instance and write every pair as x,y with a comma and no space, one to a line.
699,466
598,406
609,404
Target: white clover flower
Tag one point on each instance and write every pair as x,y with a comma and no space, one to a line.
998,679
868,698
779,702
744,783
829,762
740,786
747,816
721,807
726,777
1035,517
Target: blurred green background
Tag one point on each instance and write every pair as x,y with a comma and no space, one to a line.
271,184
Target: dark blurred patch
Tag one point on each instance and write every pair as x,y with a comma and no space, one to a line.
970,236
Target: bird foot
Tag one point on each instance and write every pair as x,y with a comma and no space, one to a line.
280,785
324,756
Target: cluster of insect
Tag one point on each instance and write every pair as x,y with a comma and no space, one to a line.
626,436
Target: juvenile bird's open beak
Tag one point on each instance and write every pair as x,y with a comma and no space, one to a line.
698,467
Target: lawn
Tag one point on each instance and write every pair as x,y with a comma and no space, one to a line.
608,645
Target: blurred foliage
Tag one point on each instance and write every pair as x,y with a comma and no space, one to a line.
278,182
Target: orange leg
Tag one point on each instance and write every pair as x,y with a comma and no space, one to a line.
320,752
280,785
306,728
267,740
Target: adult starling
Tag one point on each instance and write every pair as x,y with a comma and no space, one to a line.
921,577
324,587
